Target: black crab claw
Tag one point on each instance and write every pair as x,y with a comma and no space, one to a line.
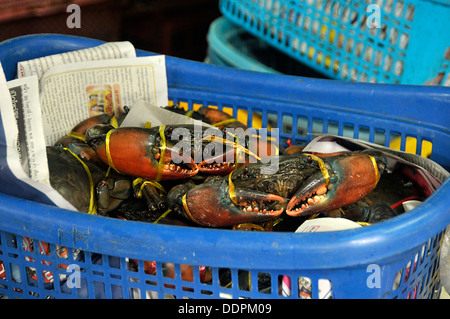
343,179
97,134
212,204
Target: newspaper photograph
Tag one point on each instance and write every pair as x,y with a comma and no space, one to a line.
73,92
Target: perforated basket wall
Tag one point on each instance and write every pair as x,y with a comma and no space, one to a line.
49,252
344,39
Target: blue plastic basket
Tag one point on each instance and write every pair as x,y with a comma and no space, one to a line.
231,45
406,247
408,46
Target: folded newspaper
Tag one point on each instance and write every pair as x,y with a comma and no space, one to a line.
54,93
23,166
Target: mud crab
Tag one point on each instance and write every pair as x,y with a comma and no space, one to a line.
303,184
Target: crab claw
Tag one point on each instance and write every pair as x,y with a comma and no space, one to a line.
218,165
344,179
210,204
139,152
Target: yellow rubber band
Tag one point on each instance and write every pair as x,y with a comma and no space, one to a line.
364,223
234,144
108,152
114,122
322,167
374,162
232,190
186,209
248,226
92,207
162,216
147,182
225,122
77,135
137,181
313,216
162,147
189,114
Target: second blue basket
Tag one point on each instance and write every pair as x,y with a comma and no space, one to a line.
399,42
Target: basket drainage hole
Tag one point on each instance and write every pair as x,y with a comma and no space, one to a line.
284,286
225,277
244,279
305,287
264,283
150,294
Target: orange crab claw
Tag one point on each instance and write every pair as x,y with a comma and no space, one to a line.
135,152
345,179
210,204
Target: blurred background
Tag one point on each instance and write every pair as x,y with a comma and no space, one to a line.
172,27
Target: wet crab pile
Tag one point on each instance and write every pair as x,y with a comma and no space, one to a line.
151,175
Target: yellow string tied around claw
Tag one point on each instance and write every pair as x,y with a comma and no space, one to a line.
225,122
248,226
114,122
92,206
186,209
163,215
108,151
162,148
232,189
139,180
375,166
189,114
322,167
236,145
238,148
157,185
77,135
364,223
